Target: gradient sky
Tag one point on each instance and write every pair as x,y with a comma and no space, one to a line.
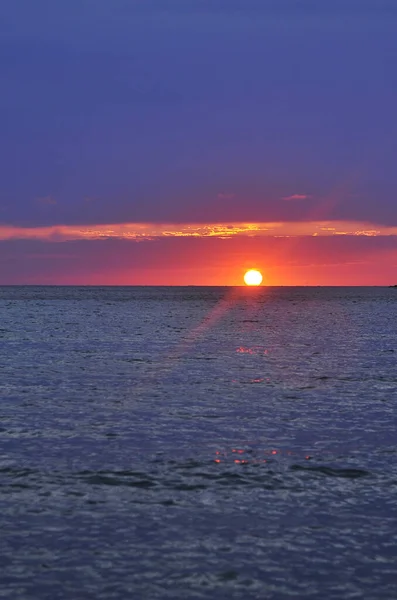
184,141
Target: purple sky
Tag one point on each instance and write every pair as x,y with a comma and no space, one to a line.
189,111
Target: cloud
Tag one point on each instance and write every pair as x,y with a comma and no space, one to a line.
297,197
47,200
226,195
140,232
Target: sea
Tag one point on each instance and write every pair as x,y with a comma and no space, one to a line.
198,442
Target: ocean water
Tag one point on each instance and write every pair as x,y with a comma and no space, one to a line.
198,443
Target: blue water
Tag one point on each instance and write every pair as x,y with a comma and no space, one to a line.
198,443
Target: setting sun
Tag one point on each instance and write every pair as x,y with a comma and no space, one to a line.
253,277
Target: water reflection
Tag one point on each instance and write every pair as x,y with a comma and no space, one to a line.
261,350
246,456
248,300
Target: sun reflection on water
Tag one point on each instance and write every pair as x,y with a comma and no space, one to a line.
246,456
232,298
252,350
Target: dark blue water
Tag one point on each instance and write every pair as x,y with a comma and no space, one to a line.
198,443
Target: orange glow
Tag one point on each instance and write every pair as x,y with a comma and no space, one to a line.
310,253
253,277
140,232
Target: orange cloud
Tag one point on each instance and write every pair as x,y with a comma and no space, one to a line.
150,231
297,197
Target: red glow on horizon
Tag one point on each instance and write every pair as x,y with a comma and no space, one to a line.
204,262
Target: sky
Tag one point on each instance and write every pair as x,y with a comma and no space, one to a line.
181,142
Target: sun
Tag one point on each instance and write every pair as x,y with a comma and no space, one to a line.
253,277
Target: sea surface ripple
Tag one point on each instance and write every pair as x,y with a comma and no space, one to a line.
226,443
